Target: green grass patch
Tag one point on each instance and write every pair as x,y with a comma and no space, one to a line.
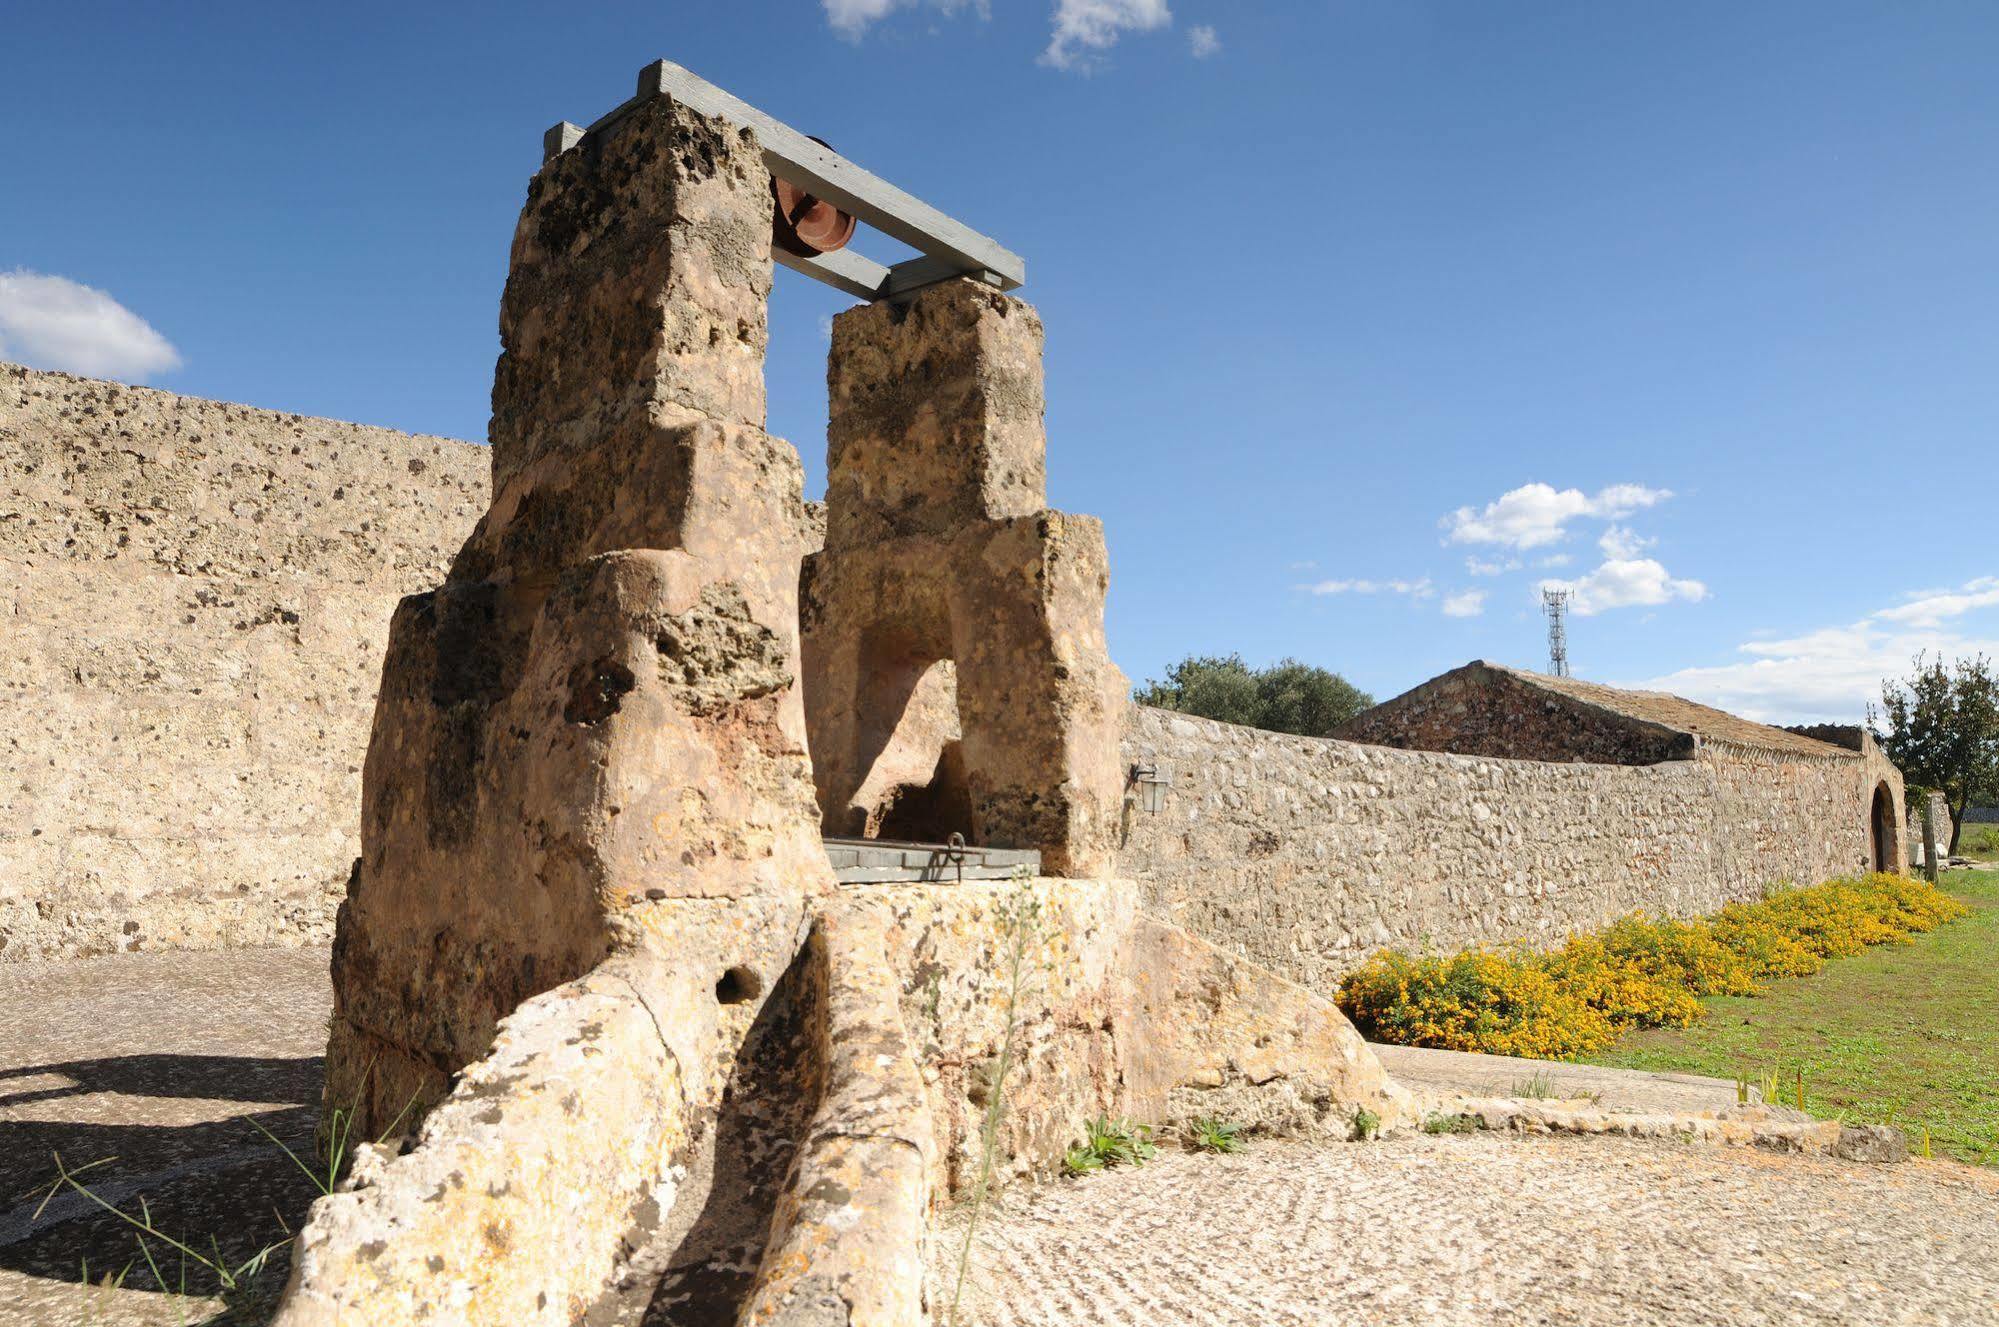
1979,842
1903,1034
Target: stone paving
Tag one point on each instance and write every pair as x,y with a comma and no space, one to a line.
157,1061
1486,1229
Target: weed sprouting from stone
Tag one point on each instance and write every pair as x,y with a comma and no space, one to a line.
1538,1086
1019,922
1212,1133
1437,1122
1366,1125
233,1279
1110,1142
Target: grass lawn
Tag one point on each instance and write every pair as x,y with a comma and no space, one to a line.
1901,1034
1979,842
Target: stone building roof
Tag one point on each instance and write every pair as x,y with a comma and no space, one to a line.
1489,709
1680,714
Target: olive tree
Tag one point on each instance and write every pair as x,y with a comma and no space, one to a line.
1287,697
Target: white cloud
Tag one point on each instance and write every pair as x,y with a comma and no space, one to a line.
1479,566
1470,603
1416,589
1080,30
1535,514
1555,560
1929,608
1832,674
1623,582
850,18
1084,29
1621,541
1203,42
49,322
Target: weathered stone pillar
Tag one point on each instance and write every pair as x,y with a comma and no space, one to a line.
953,623
588,739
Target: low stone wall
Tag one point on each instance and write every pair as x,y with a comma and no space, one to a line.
194,598
1119,1013
1307,854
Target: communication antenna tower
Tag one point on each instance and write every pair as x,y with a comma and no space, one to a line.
1555,603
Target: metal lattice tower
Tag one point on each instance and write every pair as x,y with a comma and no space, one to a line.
1555,603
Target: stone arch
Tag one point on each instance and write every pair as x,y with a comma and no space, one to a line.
1883,833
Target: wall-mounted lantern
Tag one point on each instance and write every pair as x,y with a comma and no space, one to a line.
1151,783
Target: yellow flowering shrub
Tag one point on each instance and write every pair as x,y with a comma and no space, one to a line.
1638,972
1623,991
1768,948
1689,954
1500,1002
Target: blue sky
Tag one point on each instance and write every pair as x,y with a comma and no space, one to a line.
1364,318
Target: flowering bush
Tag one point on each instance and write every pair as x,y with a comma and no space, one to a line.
1638,972
1496,1001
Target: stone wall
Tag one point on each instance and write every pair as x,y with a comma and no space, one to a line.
194,598
1305,854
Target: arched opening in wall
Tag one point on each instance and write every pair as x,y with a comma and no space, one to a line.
933,811
1881,830
914,786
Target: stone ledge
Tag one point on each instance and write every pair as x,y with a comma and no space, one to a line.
1753,1125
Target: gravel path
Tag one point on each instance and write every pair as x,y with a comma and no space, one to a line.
1487,1229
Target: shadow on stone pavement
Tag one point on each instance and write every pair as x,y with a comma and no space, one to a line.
173,1130
159,1063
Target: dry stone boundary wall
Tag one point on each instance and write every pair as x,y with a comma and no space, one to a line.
1307,854
194,599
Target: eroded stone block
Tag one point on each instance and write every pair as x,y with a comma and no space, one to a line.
939,552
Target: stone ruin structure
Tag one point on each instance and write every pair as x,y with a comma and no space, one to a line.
657,1063
956,677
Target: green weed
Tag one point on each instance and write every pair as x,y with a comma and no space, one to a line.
1211,1133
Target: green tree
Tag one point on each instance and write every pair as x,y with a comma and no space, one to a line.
1943,731
1211,686
1299,698
1287,697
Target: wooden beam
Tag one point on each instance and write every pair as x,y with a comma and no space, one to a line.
826,174
842,269
950,248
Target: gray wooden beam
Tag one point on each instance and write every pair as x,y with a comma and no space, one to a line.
843,269
906,278
826,174
949,248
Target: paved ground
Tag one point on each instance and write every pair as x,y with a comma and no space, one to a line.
154,1060
157,1060
1490,1229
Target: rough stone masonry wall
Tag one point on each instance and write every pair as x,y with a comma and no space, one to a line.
1307,854
193,601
